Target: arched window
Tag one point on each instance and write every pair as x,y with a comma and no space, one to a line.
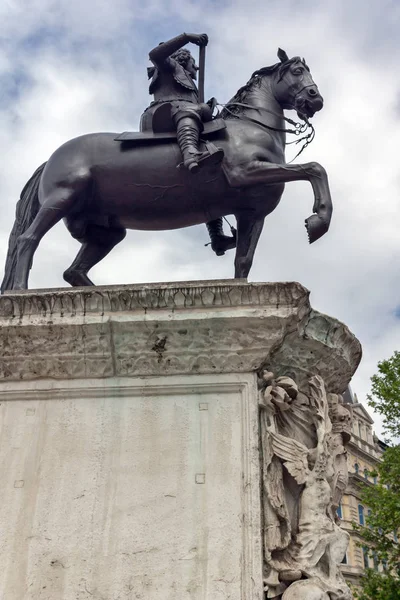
356,468
361,514
339,511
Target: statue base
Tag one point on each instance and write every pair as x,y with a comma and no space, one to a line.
130,456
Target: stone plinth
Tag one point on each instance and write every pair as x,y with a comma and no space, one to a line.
130,448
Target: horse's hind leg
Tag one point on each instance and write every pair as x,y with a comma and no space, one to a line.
249,231
56,205
98,242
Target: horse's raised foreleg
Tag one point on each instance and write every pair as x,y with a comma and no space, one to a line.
259,172
249,229
99,241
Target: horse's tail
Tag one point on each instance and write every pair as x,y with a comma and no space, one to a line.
27,209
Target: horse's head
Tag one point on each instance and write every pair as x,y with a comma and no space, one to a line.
294,87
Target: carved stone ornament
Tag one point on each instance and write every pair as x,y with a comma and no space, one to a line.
303,435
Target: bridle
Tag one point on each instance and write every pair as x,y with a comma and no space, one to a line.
299,128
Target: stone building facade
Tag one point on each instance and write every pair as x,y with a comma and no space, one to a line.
364,453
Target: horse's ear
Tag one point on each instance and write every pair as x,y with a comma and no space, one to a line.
283,57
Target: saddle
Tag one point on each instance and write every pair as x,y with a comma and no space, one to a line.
162,128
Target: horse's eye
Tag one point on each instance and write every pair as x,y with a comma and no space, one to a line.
298,71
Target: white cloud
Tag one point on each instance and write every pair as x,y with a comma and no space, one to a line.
77,67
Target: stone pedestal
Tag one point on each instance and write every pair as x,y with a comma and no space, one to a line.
131,459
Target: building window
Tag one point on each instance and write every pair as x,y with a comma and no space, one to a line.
375,479
344,561
396,539
365,556
369,514
339,511
366,474
384,565
376,561
356,468
370,438
361,514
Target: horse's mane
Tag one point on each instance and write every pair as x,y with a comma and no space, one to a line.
255,81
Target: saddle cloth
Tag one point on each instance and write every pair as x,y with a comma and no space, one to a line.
145,137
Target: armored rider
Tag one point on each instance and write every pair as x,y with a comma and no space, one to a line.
173,81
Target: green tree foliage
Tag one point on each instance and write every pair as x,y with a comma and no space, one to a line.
378,587
383,498
385,398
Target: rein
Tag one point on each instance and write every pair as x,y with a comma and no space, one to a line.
299,128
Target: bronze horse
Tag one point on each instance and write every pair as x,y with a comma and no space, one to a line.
101,187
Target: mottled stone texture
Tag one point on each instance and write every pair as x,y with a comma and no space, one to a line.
172,441
167,329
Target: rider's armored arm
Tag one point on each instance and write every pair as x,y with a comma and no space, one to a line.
160,53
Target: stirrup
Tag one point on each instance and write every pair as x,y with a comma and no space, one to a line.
192,165
211,159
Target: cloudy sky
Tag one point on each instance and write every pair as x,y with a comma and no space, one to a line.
69,67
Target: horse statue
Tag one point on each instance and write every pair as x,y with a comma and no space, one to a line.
104,183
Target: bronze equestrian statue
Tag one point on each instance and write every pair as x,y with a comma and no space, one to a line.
104,183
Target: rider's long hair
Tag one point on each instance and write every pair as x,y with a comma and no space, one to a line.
182,57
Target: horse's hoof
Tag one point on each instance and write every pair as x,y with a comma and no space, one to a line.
18,287
316,228
77,279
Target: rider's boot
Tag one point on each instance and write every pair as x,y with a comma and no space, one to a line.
188,135
219,241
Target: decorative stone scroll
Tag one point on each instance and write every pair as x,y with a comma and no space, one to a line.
303,437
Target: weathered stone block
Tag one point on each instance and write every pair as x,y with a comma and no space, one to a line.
133,449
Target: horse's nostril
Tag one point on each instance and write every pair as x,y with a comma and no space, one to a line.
312,92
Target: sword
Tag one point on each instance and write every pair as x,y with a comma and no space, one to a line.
202,68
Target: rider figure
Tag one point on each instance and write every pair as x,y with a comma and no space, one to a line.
173,82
